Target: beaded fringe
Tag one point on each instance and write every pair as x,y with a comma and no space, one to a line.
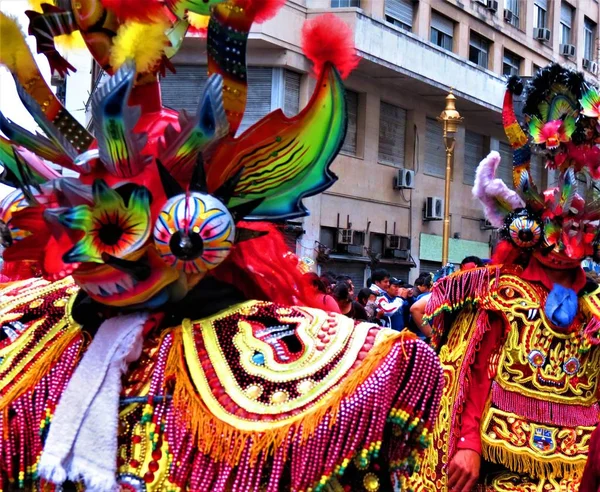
25,420
523,462
542,411
399,384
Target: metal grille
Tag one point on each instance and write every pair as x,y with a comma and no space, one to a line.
291,101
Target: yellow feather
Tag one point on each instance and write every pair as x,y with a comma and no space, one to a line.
145,43
37,4
14,52
198,21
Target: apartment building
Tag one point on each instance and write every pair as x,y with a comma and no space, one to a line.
385,208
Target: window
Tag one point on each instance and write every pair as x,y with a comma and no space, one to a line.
291,92
479,49
504,171
345,3
392,130
566,22
442,31
589,33
511,64
513,7
435,152
540,14
536,69
352,106
474,153
258,102
400,13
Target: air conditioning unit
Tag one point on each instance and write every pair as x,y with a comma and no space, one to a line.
401,254
434,208
590,65
397,242
541,33
485,225
405,179
508,16
492,5
567,50
354,250
482,2
345,236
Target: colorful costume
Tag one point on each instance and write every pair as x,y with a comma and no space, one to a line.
170,345
520,355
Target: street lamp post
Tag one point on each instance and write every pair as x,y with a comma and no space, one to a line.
450,118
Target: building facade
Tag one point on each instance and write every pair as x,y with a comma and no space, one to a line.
385,208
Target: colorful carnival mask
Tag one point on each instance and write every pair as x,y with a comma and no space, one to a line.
159,195
560,124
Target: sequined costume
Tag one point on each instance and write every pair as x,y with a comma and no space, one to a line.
519,350
170,344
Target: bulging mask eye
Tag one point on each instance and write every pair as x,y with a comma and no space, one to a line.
194,232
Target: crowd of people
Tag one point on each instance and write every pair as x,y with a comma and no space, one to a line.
386,300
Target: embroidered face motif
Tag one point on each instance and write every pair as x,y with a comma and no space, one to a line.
538,359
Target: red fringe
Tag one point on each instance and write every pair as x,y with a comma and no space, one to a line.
453,292
261,10
264,269
542,411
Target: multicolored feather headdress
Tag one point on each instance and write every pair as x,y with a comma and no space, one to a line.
560,124
160,195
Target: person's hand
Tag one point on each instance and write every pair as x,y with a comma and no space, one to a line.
463,471
379,314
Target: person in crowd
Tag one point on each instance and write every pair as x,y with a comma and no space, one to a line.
422,285
348,306
367,298
389,306
380,281
470,262
405,292
417,311
329,280
348,280
320,297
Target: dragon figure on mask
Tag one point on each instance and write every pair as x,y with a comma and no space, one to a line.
168,342
518,339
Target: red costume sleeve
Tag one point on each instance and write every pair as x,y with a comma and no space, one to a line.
591,478
481,383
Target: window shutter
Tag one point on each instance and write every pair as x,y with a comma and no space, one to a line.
352,107
392,132
435,153
182,90
537,170
258,104
566,14
291,101
400,10
442,24
505,168
474,153
542,4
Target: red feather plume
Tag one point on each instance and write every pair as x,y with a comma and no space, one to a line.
136,10
328,38
261,10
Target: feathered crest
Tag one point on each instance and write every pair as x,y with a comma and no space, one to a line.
561,118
